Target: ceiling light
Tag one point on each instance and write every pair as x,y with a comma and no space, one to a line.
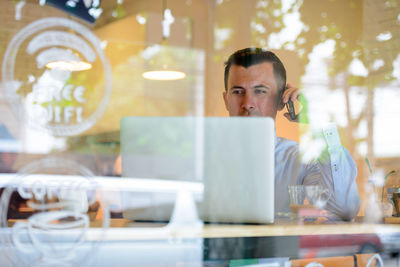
164,75
69,65
161,62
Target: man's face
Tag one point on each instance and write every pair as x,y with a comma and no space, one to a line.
252,91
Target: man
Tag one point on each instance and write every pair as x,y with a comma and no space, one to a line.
255,85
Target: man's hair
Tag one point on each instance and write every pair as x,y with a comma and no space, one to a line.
252,56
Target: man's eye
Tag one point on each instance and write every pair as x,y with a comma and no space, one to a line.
236,92
261,91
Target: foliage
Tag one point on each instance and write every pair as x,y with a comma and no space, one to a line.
268,19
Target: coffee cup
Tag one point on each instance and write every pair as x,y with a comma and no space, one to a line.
47,229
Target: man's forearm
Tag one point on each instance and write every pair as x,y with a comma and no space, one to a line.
339,172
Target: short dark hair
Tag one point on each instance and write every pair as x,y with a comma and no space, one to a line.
252,56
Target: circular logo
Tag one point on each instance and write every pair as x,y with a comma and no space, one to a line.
56,76
60,201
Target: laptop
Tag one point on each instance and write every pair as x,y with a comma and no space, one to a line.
233,158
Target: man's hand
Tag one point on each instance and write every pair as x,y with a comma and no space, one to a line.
291,93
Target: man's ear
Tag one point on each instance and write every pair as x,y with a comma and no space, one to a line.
225,96
281,105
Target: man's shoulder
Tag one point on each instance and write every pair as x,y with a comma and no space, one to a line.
280,141
287,145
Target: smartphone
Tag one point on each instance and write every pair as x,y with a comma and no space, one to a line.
290,109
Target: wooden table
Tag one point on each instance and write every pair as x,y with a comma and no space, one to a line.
136,230
126,242
234,241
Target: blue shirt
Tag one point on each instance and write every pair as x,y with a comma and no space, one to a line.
334,169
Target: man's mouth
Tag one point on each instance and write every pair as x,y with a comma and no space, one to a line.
249,114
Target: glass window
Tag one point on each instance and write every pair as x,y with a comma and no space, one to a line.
115,114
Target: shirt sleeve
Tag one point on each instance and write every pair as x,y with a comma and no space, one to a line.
336,170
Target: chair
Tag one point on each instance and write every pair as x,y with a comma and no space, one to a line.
368,260
358,260
346,261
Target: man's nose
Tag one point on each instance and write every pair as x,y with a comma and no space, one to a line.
248,102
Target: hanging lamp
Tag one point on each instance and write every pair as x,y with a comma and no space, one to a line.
161,64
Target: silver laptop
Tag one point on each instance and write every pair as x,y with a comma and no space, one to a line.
233,157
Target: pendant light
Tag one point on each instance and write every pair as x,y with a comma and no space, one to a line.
161,64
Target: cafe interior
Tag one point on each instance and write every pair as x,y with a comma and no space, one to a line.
114,133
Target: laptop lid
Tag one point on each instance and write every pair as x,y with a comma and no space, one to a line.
167,152
239,170
166,148
233,157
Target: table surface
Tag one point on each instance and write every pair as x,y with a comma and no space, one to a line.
126,242
122,229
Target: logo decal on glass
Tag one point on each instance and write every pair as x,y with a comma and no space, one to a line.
56,76
57,200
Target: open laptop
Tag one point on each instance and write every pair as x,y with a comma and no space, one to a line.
233,157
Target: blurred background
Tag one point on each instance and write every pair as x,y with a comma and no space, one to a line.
344,55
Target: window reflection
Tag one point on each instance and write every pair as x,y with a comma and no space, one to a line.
344,55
